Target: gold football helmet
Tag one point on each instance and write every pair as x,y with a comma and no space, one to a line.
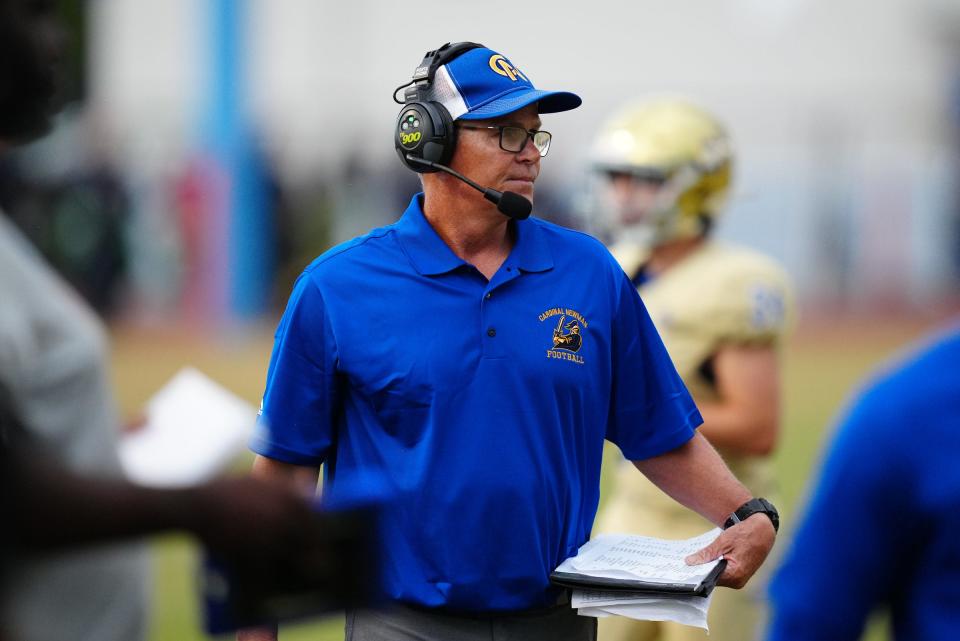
669,166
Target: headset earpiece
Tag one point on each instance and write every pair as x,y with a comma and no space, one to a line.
424,130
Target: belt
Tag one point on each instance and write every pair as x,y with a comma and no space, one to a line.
562,601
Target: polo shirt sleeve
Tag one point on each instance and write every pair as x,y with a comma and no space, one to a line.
296,418
651,411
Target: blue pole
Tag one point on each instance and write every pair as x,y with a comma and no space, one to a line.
230,142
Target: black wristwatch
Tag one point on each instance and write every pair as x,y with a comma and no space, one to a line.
752,507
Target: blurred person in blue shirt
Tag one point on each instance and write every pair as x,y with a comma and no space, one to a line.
881,528
472,361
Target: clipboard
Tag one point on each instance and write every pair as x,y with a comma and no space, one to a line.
587,582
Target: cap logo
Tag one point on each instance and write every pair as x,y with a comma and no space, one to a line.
503,67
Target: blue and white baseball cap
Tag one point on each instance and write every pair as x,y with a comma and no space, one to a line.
482,83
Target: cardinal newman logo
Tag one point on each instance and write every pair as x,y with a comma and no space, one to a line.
567,334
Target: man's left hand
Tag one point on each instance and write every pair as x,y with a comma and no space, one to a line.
744,546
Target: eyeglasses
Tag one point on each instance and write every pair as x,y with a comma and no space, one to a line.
514,139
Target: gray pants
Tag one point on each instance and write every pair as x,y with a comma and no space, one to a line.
400,623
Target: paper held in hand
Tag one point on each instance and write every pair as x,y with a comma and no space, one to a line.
641,577
194,429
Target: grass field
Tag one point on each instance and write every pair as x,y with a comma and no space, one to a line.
823,363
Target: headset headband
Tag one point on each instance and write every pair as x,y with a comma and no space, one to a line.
433,60
415,90
424,129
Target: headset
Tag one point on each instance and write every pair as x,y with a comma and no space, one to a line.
424,130
425,137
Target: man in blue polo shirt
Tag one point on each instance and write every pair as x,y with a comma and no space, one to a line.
472,363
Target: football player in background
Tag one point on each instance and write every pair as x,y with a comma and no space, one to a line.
664,168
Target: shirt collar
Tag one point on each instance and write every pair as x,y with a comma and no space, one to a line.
431,256
531,253
421,243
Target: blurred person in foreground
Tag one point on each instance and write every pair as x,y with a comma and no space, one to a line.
61,473
664,169
52,509
473,361
53,362
880,530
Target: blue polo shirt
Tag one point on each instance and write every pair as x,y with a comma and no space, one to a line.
481,405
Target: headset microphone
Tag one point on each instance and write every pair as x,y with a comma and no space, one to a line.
508,203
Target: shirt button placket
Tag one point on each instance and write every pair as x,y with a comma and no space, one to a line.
491,348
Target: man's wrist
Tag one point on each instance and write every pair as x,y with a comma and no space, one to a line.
751,507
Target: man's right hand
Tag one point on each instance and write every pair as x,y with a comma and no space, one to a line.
744,546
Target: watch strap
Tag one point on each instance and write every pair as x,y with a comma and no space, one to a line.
751,507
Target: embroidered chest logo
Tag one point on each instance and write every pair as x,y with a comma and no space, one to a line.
568,334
